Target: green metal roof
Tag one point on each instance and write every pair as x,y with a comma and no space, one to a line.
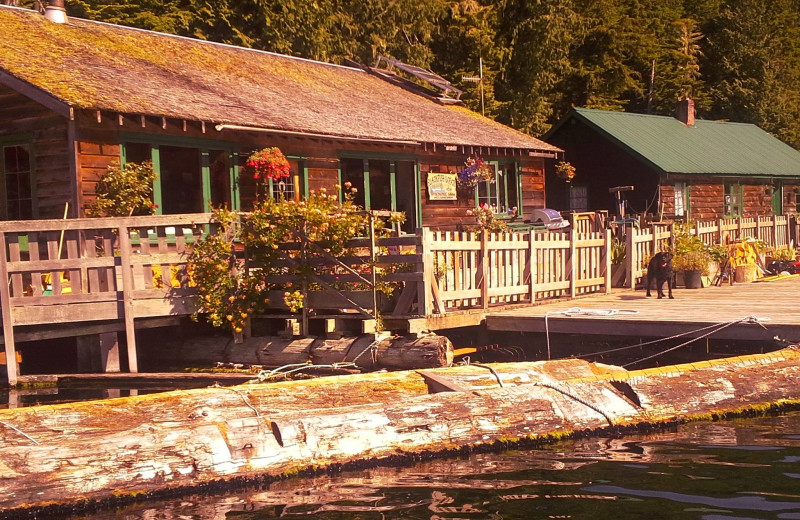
708,147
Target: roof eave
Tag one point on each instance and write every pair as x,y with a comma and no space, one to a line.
37,94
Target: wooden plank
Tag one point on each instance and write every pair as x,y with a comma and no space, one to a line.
33,255
8,322
127,296
17,288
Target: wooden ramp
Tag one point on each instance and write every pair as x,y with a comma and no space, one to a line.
630,313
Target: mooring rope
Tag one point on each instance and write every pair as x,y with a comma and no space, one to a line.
577,399
240,394
466,362
719,327
577,311
20,432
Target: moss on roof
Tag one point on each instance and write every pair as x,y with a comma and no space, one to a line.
101,66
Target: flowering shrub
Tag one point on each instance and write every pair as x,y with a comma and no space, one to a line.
227,295
268,163
283,238
565,170
124,190
486,218
475,170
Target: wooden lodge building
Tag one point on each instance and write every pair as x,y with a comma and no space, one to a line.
77,96
679,167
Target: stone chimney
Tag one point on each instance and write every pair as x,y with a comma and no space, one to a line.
55,11
685,111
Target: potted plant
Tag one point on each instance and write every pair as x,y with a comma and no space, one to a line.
694,265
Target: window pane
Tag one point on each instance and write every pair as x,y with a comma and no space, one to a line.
16,169
220,178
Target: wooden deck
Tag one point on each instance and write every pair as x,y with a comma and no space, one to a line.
633,314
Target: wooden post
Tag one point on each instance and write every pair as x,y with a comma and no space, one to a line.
630,258
127,296
484,270
606,261
572,266
532,263
775,231
424,288
720,231
741,233
8,324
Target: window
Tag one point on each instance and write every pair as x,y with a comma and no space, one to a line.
578,198
503,193
733,199
288,187
387,184
17,182
680,199
192,176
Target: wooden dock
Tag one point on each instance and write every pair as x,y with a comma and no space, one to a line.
630,313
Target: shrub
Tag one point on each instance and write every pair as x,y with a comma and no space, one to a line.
124,190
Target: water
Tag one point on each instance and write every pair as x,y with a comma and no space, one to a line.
745,469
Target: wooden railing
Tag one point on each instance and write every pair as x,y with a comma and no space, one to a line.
479,270
774,231
121,269
83,270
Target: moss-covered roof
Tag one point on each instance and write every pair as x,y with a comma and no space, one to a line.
100,66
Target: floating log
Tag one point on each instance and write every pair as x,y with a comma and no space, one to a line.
368,351
70,453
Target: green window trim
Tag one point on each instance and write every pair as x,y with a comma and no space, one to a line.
203,146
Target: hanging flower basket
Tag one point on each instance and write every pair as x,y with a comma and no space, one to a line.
565,171
268,163
475,170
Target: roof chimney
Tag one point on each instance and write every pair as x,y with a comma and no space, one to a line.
55,11
685,111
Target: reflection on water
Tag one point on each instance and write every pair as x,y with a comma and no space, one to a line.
709,471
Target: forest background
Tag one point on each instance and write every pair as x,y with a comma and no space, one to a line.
738,59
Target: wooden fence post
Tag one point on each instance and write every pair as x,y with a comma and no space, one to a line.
606,261
425,287
8,324
532,262
573,264
630,258
127,296
484,270
775,231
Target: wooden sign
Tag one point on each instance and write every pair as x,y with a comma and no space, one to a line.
442,186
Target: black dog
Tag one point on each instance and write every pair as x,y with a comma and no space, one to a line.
660,270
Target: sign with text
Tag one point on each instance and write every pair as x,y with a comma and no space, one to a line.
442,186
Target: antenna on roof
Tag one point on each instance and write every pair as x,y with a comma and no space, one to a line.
477,79
421,74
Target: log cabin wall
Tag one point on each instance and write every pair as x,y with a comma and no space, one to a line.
318,160
44,132
707,199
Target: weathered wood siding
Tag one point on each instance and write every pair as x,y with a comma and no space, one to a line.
707,199
99,139
46,132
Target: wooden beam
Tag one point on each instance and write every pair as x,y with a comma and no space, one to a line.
164,123
143,121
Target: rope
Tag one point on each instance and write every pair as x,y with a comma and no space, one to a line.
577,399
749,319
577,311
487,367
240,394
20,432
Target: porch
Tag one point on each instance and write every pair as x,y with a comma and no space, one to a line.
96,277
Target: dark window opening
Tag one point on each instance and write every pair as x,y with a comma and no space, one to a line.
181,180
17,181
